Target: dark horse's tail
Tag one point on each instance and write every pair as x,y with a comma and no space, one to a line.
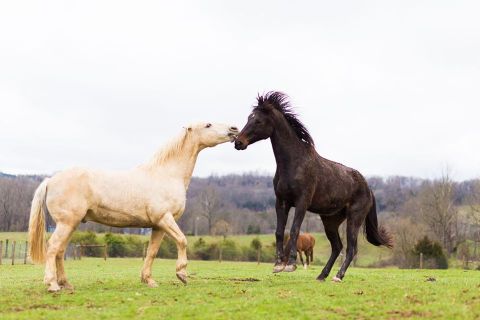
376,235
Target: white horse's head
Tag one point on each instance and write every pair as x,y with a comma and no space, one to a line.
211,134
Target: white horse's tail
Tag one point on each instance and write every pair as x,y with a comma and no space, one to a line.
36,226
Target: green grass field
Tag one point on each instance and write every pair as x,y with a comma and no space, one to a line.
231,290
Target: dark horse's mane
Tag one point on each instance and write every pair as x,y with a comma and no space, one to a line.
280,102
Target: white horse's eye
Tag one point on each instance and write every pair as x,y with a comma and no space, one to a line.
208,125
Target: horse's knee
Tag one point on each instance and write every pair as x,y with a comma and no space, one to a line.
182,242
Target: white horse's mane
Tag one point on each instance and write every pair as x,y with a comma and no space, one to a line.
171,149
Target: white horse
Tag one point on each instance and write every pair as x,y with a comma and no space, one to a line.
153,195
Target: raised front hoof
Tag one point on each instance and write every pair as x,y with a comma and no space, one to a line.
290,268
54,288
336,279
182,277
278,268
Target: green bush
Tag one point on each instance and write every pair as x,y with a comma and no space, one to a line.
88,238
168,249
433,256
116,245
203,251
230,250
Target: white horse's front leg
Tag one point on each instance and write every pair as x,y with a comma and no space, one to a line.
169,225
155,241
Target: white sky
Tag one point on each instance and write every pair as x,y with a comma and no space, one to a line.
387,87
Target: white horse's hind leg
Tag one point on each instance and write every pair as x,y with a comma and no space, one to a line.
57,243
61,276
153,246
171,228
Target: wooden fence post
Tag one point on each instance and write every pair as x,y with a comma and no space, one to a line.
6,249
421,260
26,251
1,252
14,244
220,253
105,252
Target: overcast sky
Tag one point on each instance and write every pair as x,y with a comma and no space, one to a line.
386,87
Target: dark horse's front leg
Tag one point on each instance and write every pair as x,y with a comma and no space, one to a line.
300,211
282,216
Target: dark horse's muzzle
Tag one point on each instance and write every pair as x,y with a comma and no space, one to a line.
241,144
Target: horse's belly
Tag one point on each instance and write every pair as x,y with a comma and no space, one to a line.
118,219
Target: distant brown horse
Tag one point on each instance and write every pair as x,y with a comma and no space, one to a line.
305,243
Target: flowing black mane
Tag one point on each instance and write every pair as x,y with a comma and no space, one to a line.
279,101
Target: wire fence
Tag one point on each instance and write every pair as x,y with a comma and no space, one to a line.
16,251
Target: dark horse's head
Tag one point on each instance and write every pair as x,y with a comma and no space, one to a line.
263,119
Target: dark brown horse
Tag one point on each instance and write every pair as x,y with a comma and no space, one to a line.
305,244
307,181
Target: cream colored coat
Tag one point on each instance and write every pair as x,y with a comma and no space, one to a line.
152,195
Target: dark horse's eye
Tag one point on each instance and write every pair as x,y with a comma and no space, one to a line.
208,125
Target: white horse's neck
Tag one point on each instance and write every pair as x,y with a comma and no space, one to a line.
177,158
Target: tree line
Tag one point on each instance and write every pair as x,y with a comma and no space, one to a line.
446,211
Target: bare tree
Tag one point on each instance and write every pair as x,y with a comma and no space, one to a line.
7,202
221,228
439,212
474,216
15,197
210,205
406,234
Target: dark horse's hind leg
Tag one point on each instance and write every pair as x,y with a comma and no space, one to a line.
354,222
331,224
282,216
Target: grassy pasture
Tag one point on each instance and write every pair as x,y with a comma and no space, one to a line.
235,290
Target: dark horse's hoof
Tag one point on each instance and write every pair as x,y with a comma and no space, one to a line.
278,268
290,268
321,278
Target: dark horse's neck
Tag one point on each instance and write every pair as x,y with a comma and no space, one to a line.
287,147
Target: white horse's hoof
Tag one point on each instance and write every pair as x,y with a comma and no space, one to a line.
290,268
182,277
336,279
54,287
152,283
278,268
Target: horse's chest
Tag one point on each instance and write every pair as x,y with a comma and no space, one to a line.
285,190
